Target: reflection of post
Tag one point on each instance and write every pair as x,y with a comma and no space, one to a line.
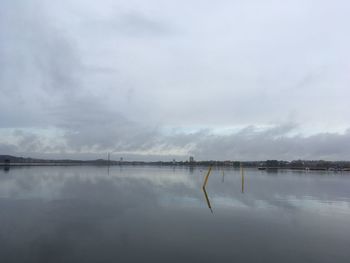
207,198
242,175
109,160
223,175
203,187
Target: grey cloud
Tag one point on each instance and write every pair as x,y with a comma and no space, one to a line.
39,65
28,142
250,143
48,83
8,148
272,144
130,24
139,24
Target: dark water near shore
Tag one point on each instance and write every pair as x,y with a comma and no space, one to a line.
151,214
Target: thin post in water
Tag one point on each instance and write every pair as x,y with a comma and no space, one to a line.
206,177
242,175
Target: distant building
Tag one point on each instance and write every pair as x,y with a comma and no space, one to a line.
191,159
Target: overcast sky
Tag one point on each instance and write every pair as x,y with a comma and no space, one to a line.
149,80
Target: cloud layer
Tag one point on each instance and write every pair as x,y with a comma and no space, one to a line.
230,80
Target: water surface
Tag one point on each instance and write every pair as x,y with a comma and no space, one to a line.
161,214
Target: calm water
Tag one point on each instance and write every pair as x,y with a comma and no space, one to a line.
161,214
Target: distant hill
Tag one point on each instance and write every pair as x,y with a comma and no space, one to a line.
15,159
11,158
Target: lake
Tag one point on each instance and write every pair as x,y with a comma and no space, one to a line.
161,214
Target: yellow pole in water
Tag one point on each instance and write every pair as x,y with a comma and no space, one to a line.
242,175
206,177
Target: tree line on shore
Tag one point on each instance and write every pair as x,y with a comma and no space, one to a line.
268,164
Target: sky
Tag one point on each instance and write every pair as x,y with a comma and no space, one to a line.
163,80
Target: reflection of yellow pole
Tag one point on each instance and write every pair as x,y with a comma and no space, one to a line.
204,191
242,175
207,198
206,177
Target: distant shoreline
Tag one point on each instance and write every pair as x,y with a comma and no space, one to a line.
167,164
307,165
